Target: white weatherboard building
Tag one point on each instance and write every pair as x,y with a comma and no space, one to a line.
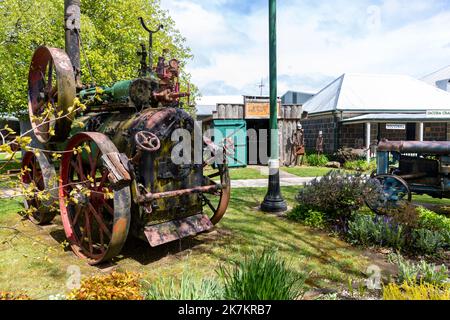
357,109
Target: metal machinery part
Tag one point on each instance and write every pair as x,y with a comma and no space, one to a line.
41,175
147,141
390,193
51,83
117,175
406,167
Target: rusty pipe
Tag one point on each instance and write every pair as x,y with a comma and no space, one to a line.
428,147
172,194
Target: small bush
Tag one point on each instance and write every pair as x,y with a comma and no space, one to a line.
379,231
427,241
308,217
4,295
361,230
421,272
406,215
413,291
114,286
315,160
432,221
347,155
261,277
360,165
187,289
336,194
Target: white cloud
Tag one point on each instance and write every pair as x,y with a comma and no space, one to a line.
316,41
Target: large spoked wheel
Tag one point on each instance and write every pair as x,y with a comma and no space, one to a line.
96,218
51,86
40,174
387,192
215,205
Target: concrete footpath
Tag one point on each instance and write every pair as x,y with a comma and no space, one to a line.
262,183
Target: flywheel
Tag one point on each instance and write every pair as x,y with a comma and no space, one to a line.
51,92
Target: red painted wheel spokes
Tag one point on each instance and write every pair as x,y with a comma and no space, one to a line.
90,213
96,219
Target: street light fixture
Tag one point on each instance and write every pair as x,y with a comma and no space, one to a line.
273,202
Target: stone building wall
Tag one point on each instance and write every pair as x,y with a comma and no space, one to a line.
392,135
435,132
352,136
312,126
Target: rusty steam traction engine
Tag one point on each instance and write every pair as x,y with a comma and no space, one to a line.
122,179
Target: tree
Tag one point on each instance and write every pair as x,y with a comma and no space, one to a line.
111,34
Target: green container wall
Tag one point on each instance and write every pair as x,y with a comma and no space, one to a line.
237,131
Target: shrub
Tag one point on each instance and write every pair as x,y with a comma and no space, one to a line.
187,289
406,215
432,221
308,217
315,160
261,277
360,165
361,230
380,231
5,295
336,195
347,154
413,291
427,241
421,272
114,286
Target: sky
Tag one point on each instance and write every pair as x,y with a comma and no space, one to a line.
318,40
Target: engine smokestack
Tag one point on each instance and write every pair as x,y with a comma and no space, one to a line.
72,19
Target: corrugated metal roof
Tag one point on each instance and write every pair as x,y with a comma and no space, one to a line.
214,100
373,92
441,74
401,117
208,104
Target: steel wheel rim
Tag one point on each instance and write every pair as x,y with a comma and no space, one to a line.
394,191
96,227
223,195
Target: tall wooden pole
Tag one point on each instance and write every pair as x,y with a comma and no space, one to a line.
273,201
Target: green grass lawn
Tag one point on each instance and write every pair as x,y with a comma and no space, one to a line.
254,173
5,156
33,259
307,171
243,173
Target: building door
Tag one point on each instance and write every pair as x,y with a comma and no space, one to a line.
236,131
258,141
411,132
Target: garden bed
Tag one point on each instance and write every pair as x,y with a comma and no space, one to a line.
35,259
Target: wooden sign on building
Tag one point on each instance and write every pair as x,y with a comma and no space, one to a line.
258,107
